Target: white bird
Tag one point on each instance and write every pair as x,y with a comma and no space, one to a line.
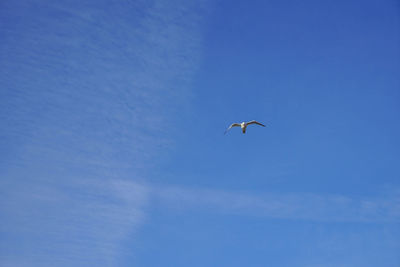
243,125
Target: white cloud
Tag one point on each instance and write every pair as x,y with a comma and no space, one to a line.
63,225
303,206
88,91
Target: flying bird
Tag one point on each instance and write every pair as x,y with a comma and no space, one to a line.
243,125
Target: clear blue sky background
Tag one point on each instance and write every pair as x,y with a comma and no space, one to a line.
112,116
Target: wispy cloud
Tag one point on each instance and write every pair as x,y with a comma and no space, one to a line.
293,206
86,91
61,225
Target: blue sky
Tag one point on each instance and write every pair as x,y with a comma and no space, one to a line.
112,150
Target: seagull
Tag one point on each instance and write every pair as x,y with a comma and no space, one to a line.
243,125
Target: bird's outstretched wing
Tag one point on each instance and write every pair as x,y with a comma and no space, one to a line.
232,125
255,122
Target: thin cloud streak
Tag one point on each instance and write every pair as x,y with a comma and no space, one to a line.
294,206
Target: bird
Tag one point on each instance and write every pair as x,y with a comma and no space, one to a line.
243,125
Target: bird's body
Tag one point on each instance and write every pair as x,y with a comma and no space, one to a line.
243,125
